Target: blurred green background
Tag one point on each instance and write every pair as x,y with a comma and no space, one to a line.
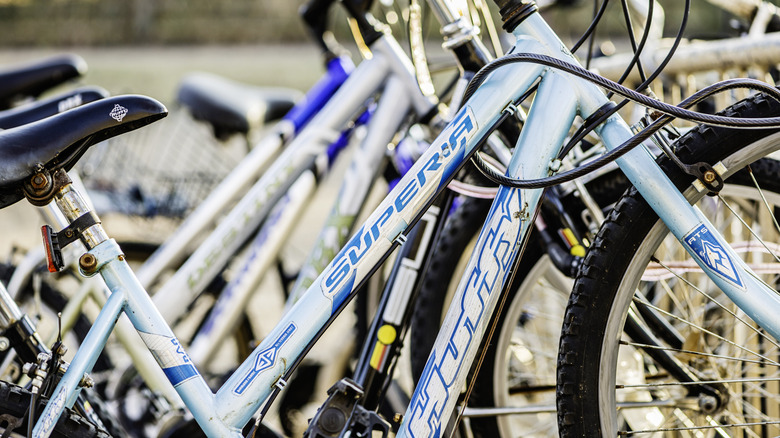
145,46
64,23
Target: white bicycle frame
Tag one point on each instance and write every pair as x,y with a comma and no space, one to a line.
276,200
559,99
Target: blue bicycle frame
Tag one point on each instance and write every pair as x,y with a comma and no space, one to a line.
224,413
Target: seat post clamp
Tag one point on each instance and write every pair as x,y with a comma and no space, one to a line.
42,186
53,242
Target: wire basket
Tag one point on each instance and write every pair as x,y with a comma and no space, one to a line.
160,171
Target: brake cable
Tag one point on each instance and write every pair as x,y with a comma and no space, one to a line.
669,112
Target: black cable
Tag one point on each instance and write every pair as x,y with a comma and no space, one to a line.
636,48
617,152
662,107
592,38
590,28
584,130
581,133
672,50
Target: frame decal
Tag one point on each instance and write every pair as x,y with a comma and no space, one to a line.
493,260
438,162
710,251
50,419
171,357
265,359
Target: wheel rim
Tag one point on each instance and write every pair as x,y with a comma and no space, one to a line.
744,399
529,360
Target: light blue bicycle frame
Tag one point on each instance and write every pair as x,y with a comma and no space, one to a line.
559,98
269,202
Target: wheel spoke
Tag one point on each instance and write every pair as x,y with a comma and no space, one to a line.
694,428
714,301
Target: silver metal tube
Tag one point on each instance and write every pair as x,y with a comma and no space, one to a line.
514,410
73,206
9,310
443,11
541,409
744,9
702,56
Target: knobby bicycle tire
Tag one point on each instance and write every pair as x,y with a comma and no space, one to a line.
709,342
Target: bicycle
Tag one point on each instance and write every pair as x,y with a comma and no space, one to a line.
464,117
515,389
334,277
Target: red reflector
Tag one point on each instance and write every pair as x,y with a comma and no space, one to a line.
48,247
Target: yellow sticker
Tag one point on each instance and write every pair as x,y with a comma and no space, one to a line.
386,334
377,356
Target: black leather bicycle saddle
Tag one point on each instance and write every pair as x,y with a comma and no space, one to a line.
32,79
57,142
231,107
39,109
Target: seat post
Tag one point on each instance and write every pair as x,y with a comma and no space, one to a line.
73,206
83,223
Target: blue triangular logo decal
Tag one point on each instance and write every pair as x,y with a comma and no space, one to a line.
701,241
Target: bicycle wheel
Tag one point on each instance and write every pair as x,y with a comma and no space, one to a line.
14,404
643,319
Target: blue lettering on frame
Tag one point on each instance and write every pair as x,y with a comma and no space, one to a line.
451,143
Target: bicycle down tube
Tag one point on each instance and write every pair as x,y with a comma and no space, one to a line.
393,107
223,413
209,258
